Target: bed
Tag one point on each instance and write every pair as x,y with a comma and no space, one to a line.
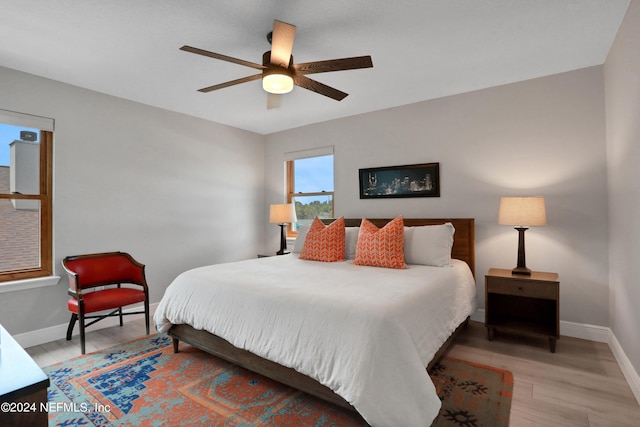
369,354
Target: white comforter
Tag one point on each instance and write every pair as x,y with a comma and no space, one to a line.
365,332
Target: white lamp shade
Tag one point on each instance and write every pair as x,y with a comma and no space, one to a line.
282,214
522,211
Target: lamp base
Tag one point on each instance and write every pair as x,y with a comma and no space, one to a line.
521,267
283,241
523,271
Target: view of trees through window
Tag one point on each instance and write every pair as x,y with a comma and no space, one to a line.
310,188
315,208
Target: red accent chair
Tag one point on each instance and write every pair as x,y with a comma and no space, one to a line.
89,272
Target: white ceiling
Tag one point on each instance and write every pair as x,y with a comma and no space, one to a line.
421,49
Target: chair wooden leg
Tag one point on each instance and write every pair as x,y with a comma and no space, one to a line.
82,346
146,314
72,323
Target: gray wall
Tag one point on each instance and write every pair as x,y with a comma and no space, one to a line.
539,137
174,191
622,79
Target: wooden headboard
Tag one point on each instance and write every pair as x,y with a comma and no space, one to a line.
463,240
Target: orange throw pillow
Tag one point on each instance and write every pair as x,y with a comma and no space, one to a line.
381,247
324,243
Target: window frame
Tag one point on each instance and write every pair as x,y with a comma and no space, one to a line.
290,188
45,197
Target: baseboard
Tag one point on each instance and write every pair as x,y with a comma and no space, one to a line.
56,332
568,329
585,331
626,367
597,334
478,316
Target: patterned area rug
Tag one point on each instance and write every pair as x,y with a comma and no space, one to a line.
143,383
472,395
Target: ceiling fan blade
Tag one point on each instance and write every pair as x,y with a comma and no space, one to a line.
353,63
274,100
222,57
230,83
318,87
282,43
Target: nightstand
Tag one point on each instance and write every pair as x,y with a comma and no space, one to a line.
523,304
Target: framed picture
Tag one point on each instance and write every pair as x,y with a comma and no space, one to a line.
421,180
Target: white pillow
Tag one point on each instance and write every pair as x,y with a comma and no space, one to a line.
429,244
351,239
299,242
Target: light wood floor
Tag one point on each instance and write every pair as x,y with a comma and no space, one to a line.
580,385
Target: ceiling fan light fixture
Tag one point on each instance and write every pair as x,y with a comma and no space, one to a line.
278,71
277,83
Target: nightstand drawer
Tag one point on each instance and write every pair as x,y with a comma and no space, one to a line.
543,290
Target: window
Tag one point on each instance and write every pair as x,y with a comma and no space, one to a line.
310,188
26,147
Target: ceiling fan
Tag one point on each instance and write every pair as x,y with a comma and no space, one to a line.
279,73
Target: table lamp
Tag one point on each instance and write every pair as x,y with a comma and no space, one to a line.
282,214
523,212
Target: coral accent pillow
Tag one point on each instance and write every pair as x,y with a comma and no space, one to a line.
381,247
324,243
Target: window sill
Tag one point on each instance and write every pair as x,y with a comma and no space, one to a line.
20,285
